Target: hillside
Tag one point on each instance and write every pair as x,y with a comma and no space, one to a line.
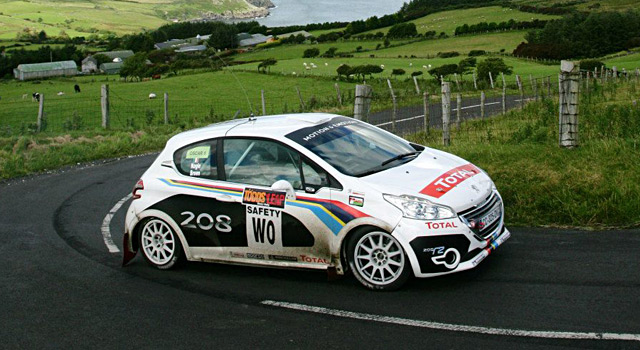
83,18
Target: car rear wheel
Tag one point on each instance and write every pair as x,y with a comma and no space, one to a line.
160,245
378,260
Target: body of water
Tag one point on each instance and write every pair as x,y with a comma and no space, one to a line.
293,12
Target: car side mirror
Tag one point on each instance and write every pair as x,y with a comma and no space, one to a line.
285,186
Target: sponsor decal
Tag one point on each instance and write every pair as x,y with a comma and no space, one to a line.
198,152
478,259
327,128
356,193
236,255
264,227
312,259
206,222
440,225
282,258
434,251
356,201
449,180
264,197
255,256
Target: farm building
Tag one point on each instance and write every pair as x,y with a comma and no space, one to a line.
90,64
45,70
111,67
245,39
300,32
195,48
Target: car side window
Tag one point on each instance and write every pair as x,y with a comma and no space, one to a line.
260,162
314,176
198,160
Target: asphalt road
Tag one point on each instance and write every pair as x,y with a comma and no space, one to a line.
60,286
411,119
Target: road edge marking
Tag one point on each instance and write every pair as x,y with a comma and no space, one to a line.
106,231
453,327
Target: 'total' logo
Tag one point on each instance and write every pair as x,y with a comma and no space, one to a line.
447,181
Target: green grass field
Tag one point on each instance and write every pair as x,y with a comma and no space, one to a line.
600,5
447,21
82,18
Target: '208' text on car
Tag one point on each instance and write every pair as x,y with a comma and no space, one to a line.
314,191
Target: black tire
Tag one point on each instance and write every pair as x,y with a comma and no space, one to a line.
160,245
378,260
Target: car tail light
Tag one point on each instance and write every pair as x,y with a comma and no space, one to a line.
139,186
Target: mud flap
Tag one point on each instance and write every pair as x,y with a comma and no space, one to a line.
128,253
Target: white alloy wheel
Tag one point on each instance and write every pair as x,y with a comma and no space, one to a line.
378,260
160,245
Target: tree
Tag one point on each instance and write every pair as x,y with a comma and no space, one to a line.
366,70
416,74
444,70
344,70
494,65
398,71
101,58
466,65
224,36
402,30
310,53
331,52
387,42
135,66
266,65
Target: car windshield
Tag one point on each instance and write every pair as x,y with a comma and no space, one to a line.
354,148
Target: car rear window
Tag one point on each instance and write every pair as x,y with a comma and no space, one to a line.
198,160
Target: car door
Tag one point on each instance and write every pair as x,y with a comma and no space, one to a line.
285,226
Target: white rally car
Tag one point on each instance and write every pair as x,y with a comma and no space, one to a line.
315,191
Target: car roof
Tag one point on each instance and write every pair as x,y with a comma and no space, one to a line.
274,126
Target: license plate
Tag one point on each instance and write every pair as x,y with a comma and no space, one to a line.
490,218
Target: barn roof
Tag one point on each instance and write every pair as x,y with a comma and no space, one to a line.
47,66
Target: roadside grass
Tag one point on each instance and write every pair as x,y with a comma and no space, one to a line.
594,185
447,21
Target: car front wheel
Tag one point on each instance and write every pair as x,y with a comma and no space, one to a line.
378,260
160,245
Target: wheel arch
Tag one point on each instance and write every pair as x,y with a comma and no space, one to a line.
349,230
153,213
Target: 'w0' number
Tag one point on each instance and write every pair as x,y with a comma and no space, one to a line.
206,222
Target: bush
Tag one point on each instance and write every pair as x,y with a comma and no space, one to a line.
444,70
591,65
416,74
398,71
494,66
310,53
448,54
474,53
402,30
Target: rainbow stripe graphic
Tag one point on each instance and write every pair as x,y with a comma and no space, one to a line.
335,215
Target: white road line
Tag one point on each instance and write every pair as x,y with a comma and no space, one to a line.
422,115
454,327
106,232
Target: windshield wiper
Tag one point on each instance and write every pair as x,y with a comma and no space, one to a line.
399,156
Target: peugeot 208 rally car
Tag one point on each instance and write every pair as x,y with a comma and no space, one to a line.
314,191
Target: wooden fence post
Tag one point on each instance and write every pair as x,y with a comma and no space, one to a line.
569,95
40,113
301,100
504,96
362,102
338,94
483,99
549,86
520,87
104,103
446,113
458,110
264,103
425,103
615,72
394,113
491,79
475,82
455,76
166,108
415,82
534,83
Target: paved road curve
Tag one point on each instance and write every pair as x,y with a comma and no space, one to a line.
61,287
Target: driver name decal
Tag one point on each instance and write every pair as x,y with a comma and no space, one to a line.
264,198
447,181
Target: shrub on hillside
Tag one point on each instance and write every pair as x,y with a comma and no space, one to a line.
310,53
448,54
474,53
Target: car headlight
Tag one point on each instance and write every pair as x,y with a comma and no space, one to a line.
419,208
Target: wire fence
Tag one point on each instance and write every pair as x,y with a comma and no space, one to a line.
478,110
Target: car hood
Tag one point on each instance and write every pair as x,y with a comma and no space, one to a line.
437,176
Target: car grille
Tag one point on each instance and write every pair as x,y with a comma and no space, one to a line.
477,212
